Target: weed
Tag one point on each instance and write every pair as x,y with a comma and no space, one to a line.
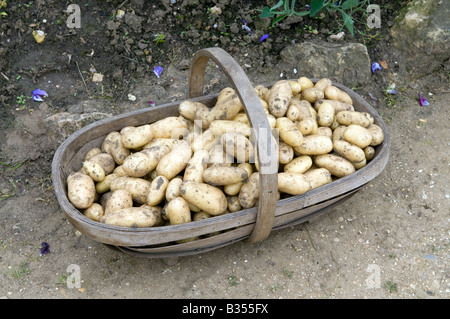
233,281
159,38
21,271
391,286
287,273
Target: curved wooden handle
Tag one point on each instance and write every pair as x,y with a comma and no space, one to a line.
267,159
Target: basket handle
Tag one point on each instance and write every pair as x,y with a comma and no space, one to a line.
267,160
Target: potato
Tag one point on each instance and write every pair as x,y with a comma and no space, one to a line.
262,92
314,145
141,163
196,166
173,189
298,165
119,171
322,84
175,161
94,212
280,95
358,135
223,175
295,87
137,187
307,126
348,150
369,152
338,133
325,114
338,105
377,134
249,192
206,140
143,216
289,132
178,212
136,137
336,165
227,107
238,146
172,127
334,93
94,170
305,82
233,189
318,177
233,204
305,109
105,160
293,183
352,117
218,157
325,131
188,108
206,197
200,216
360,165
113,145
224,126
80,190
119,199
286,153
369,117
312,95
92,152
293,112
157,190
158,141
103,186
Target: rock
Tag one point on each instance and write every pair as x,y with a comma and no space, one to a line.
422,34
134,21
347,63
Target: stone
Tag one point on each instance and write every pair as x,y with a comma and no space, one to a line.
345,63
421,33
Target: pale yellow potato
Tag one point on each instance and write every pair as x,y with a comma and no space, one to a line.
369,117
335,164
92,152
227,107
119,199
143,216
262,92
315,145
158,141
178,212
196,166
134,137
308,126
249,192
94,212
112,144
172,127
157,190
224,126
80,190
338,105
233,204
141,163
322,84
173,189
224,175
305,82
175,161
360,165
286,153
218,157
206,197
352,117
103,186
238,146
272,120
119,171
338,133
298,165
137,187
94,170
334,93
206,140
325,131
289,132
200,216
293,183
312,95
280,95
305,109
348,150
369,152
377,134
295,87
293,112
105,160
318,177
233,189
188,108
358,135
242,118
325,114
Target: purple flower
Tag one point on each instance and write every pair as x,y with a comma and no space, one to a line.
151,103
45,248
264,37
38,94
158,70
391,91
423,101
308,7
375,67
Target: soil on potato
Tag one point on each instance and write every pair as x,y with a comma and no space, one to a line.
390,240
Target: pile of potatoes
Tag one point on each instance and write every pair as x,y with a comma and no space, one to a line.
203,163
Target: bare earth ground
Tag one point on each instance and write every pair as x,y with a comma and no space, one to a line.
390,240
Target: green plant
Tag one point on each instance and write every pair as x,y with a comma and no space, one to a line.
21,271
159,38
391,286
286,8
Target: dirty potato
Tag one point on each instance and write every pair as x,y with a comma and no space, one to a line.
80,190
206,197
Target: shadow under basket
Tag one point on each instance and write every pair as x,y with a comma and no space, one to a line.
254,224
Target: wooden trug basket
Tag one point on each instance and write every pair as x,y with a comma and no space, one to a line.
254,224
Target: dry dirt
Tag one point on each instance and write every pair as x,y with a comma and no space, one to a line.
390,240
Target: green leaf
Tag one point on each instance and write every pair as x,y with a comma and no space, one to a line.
349,4
279,4
279,18
315,6
266,13
348,22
